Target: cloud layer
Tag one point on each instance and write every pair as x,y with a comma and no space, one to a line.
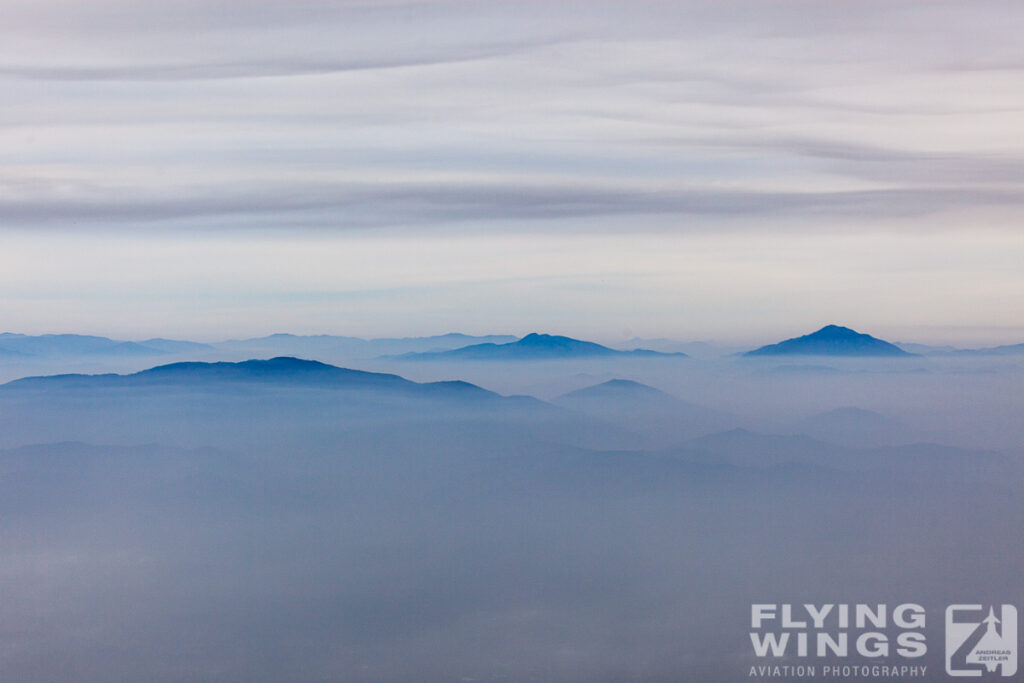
432,118
453,109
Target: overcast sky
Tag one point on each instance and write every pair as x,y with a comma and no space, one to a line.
718,170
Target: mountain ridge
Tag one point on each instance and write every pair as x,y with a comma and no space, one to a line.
48,345
279,371
617,388
534,346
832,340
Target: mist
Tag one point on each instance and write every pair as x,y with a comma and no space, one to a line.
284,520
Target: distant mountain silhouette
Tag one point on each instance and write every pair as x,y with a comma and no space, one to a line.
326,345
280,371
831,340
925,349
278,344
308,346
617,389
451,340
663,418
930,350
176,345
72,345
535,347
1008,350
695,349
253,400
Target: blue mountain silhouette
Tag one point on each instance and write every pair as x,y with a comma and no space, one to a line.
617,389
72,345
282,371
664,418
534,347
831,340
1008,350
176,345
282,344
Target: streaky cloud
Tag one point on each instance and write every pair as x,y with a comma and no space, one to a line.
397,204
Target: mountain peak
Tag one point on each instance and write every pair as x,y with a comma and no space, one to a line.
282,371
618,388
831,340
534,346
536,338
833,329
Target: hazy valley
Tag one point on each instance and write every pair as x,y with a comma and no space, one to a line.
492,519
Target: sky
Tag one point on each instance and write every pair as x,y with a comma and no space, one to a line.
739,171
